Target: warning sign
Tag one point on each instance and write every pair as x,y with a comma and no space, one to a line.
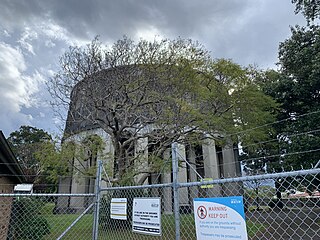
202,212
146,216
220,218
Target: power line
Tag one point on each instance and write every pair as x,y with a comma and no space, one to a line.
272,140
281,155
269,124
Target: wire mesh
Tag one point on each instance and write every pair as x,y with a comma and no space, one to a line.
112,228
25,216
277,206
285,206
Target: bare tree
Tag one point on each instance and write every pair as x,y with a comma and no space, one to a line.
166,91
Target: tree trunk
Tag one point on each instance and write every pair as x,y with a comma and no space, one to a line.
119,161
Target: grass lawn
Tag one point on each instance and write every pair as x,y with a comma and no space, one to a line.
83,229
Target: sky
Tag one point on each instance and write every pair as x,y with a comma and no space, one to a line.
35,33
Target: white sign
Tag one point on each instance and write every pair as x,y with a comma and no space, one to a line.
220,218
118,208
146,216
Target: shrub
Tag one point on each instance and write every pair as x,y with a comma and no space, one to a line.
26,221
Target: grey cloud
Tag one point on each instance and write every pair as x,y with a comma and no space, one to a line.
16,13
115,18
247,31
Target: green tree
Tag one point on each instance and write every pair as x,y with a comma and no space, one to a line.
172,85
309,8
25,143
294,141
57,159
43,159
297,88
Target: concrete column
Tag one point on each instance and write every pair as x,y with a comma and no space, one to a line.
62,203
211,166
107,158
78,185
182,176
193,177
141,163
230,169
167,192
229,165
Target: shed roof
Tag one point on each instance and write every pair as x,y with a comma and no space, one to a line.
9,164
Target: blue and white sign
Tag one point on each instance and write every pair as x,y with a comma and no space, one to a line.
220,218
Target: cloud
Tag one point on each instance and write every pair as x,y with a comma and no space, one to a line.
27,36
17,88
247,31
33,34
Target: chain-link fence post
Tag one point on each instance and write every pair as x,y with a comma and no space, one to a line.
97,204
175,186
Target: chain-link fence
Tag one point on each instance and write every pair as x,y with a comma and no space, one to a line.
277,206
36,216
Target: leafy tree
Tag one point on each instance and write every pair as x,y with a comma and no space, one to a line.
309,8
58,159
42,159
293,142
25,143
297,89
166,91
